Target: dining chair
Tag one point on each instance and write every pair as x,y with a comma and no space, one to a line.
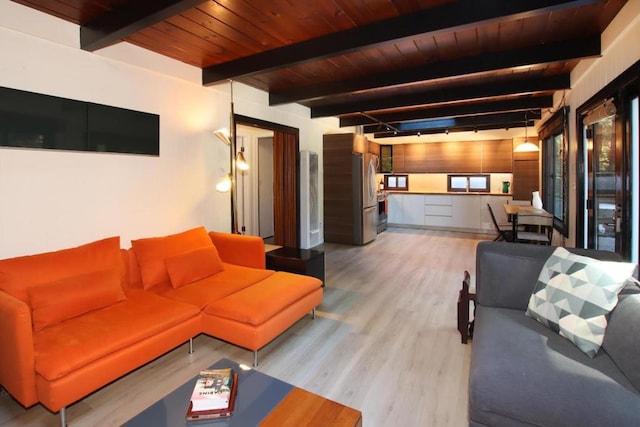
504,232
543,224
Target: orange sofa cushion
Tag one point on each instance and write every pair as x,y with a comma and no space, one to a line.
68,346
18,274
151,253
189,267
258,303
64,299
210,289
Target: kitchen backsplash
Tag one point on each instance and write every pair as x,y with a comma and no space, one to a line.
437,182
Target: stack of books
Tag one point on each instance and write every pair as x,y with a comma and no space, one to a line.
213,395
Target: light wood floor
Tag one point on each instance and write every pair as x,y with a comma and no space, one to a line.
384,342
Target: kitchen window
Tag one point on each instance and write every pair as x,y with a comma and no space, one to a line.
396,182
469,183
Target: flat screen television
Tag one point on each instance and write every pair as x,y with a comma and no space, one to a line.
31,120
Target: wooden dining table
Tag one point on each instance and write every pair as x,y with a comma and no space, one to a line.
513,211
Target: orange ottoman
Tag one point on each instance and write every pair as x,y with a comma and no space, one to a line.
254,316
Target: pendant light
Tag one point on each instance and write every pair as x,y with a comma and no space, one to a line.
526,146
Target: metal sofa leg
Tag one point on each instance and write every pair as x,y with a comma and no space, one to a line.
63,417
313,313
190,345
255,358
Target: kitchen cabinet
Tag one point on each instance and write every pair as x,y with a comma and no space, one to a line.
495,156
413,209
394,208
438,210
467,212
447,211
454,157
526,175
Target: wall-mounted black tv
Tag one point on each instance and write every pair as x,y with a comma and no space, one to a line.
32,120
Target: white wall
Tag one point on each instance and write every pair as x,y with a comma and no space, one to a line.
55,199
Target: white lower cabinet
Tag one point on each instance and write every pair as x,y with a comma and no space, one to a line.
456,211
394,208
467,212
413,209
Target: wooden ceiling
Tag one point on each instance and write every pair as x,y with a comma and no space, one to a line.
396,67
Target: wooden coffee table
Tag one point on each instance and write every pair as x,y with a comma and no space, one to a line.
261,401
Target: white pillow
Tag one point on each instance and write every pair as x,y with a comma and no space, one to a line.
574,296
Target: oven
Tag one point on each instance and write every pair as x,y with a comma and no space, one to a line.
382,212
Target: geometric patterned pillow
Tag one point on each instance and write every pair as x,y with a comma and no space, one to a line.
574,296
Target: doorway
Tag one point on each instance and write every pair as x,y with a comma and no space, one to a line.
611,181
265,189
281,188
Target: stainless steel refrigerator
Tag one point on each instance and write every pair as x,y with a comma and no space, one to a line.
365,200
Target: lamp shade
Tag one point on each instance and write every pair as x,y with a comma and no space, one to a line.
526,147
241,162
223,134
224,185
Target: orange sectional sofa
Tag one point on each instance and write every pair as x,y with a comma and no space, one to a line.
76,319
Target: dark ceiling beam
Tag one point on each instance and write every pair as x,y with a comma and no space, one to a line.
457,124
129,18
519,104
523,86
455,15
529,56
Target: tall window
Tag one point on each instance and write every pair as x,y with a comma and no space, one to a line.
554,168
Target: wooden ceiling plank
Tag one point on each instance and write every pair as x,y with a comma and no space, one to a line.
127,19
460,14
486,62
58,9
519,104
479,91
234,43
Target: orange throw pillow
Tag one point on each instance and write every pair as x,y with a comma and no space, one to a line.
151,253
64,299
191,266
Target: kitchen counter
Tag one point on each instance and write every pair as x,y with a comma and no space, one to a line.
449,193
455,211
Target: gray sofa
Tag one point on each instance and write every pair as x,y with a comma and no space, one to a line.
524,374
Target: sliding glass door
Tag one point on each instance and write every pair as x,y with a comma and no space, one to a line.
611,181
604,205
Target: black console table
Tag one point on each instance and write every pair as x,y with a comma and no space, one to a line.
302,261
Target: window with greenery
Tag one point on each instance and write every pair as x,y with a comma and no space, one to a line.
554,135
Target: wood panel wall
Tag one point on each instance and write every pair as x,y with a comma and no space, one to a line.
526,175
338,188
285,188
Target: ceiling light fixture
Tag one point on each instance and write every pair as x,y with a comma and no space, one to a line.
526,146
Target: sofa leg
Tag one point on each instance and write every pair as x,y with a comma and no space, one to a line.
63,417
313,313
255,358
190,345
